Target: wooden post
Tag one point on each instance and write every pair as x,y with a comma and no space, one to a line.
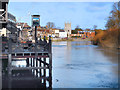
44,72
31,62
9,62
36,66
27,61
33,65
50,62
36,43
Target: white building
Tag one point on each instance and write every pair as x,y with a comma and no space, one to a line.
62,34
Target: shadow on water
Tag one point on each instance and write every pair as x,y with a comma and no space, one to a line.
24,78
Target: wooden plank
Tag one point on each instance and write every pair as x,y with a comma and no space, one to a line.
39,56
27,68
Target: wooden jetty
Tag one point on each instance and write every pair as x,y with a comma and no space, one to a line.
38,57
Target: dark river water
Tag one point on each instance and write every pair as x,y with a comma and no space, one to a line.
82,65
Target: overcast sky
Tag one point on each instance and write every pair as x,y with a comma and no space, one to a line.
84,14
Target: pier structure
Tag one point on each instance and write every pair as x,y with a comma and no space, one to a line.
38,58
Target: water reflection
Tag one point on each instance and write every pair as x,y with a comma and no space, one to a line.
84,66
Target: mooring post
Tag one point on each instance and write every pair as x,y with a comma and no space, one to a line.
50,62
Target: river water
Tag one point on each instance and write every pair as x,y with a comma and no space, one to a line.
83,65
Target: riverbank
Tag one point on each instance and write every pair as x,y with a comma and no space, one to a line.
107,38
70,39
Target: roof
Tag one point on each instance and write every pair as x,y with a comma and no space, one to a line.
26,25
61,31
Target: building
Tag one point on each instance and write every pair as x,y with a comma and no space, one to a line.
7,21
84,34
68,29
58,33
43,31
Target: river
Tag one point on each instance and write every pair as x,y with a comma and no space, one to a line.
83,65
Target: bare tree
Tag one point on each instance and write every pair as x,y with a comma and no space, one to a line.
114,18
50,25
95,27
